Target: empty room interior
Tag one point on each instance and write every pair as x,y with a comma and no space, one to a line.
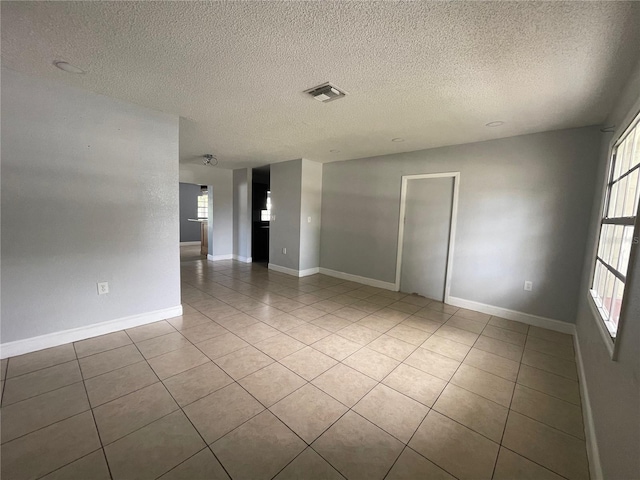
320,240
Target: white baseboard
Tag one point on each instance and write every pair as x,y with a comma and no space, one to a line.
527,318
242,259
190,244
593,453
213,258
28,345
308,271
358,279
293,271
278,268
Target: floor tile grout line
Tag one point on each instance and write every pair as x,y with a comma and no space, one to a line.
168,351
95,423
77,459
504,428
579,405
546,425
140,428
327,429
323,431
432,408
134,391
206,447
183,413
115,370
308,447
509,410
407,446
378,382
552,373
53,423
41,393
39,369
516,383
550,355
534,461
165,320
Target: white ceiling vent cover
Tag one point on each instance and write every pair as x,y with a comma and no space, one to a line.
326,92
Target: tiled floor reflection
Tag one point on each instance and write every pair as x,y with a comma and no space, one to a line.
270,376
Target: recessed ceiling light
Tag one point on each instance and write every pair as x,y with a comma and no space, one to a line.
334,151
495,124
67,67
397,139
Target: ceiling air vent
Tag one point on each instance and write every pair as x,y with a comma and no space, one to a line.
326,92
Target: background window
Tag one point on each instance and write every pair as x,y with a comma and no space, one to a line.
617,228
265,215
203,204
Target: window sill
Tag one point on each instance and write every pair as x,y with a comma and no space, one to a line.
609,341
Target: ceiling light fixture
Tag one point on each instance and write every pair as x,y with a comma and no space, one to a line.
397,139
326,92
209,160
497,123
67,67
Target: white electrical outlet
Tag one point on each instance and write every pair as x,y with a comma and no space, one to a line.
284,250
528,285
103,288
308,219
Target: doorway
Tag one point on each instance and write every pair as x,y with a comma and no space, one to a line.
260,213
194,221
428,210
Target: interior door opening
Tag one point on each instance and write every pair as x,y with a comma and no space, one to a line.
195,218
428,209
260,214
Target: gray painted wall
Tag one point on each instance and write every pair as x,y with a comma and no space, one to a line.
614,387
284,231
310,206
524,210
89,194
242,212
189,231
220,182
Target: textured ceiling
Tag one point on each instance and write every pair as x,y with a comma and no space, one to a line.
433,73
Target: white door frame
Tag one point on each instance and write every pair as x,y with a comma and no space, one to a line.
452,230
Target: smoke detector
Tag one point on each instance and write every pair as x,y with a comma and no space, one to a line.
326,92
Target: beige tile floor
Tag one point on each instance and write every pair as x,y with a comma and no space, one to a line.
270,376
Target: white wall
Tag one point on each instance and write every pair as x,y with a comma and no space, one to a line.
242,179
613,386
523,214
310,206
89,194
221,182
